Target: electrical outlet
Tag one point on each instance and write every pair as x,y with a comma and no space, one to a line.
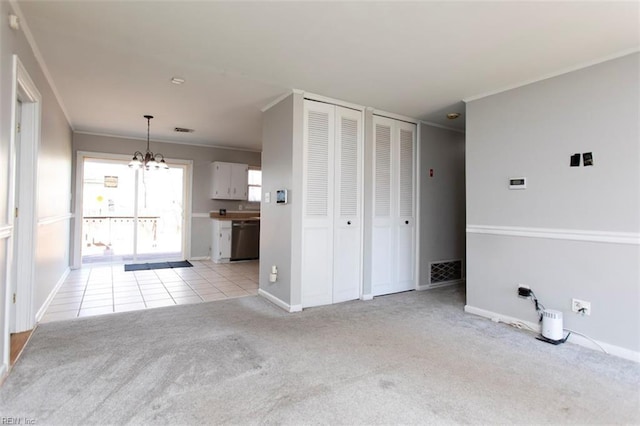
581,307
524,290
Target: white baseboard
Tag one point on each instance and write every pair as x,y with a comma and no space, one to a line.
53,293
575,338
200,258
278,302
438,285
367,297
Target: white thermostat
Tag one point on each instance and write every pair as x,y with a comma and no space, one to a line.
281,196
518,183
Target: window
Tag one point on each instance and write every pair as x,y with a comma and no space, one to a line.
255,185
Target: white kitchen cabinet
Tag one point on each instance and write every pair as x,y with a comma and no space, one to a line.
332,205
229,181
393,215
221,241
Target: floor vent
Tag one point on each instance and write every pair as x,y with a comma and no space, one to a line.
442,272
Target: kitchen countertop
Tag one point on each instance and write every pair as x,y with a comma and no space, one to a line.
236,215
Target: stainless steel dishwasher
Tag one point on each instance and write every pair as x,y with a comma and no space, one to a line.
245,239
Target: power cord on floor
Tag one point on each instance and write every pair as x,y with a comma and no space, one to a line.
519,325
586,337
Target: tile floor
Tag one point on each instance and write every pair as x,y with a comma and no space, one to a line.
104,289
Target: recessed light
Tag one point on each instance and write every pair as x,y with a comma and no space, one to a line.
177,80
453,115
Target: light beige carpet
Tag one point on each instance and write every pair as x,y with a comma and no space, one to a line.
410,358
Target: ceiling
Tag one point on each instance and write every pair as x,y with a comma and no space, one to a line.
111,61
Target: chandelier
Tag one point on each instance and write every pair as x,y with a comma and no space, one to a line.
148,160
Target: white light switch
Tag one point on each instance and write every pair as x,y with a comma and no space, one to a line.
267,197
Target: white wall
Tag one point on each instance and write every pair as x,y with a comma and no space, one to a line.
531,131
441,198
53,176
202,158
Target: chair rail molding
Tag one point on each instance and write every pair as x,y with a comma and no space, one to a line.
632,238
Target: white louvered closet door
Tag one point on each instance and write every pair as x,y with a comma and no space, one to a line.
382,242
393,233
347,256
317,199
405,219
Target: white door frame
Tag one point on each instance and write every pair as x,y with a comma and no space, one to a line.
21,244
186,214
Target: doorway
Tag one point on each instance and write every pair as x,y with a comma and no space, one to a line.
131,215
21,215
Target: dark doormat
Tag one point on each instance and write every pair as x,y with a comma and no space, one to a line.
158,265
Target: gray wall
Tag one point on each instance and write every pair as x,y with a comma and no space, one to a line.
442,197
276,220
53,177
531,131
201,188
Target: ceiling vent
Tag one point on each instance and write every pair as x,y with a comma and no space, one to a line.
183,130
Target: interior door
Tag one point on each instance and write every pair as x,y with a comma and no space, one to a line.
317,199
347,256
383,252
404,222
393,235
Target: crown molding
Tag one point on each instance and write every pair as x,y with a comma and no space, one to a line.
201,145
554,74
40,59
440,126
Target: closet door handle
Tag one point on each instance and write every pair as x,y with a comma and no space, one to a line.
348,222
406,222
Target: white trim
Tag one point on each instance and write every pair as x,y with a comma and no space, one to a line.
187,196
422,287
136,138
366,297
201,215
39,58
578,340
416,203
394,116
632,238
198,258
21,273
76,256
441,126
5,231
554,74
332,101
278,302
362,177
45,305
187,189
276,101
495,317
53,219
